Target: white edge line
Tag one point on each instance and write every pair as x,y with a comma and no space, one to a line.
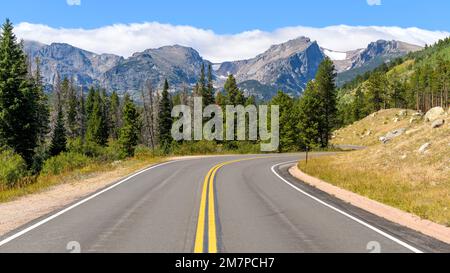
390,237
46,220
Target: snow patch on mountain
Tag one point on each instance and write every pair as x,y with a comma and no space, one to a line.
335,55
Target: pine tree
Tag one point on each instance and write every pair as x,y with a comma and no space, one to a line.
221,100
71,105
165,120
326,89
233,95
90,102
106,103
114,115
20,100
97,130
397,95
375,88
129,133
149,115
197,91
59,140
310,117
43,112
250,101
358,107
288,122
209,96
202,82
64,94
82,120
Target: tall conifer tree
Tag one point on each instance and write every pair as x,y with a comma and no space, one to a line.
165,119
20,100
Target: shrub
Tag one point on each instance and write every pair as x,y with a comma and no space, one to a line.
39,159
12,168
195,148
145,152
245,147
65,162
112,152
87,148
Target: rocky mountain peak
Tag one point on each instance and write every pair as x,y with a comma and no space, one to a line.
382,48
288,48
287,66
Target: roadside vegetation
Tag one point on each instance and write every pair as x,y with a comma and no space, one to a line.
73,168
419,81
396,173
66,134
48,138
51,136
406,163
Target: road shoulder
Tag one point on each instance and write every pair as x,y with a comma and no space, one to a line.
394,215
17,213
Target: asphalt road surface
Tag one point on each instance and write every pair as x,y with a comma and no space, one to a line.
230,204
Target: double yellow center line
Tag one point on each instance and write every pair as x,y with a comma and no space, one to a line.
206,236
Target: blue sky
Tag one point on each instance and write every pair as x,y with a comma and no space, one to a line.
225,30
231,16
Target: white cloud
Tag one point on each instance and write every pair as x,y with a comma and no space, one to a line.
126,39
374,2
73,2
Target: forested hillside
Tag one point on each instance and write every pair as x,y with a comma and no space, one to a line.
43,134
419,81
68,129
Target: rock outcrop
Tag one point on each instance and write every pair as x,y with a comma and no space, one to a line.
391,135
438,123
434,113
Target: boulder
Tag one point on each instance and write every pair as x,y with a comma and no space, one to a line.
434,114
402,113
424,148
437,123
391,135
383,139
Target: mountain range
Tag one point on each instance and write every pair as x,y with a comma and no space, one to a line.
287,66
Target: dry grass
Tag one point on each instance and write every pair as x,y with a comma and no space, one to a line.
378,124
395,174
43,183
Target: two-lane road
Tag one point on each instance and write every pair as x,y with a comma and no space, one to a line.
217,204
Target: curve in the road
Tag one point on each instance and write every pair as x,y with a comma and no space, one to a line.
206,235
390,237
243,208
